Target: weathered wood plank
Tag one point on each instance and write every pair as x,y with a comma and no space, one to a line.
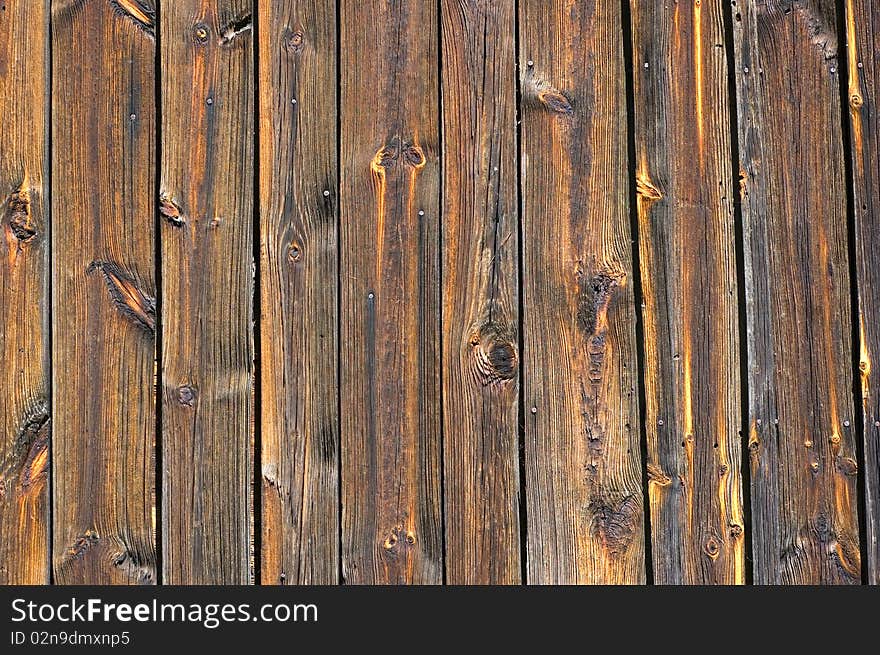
103,308
300,430
583,485
389,341
801,441
863,37
24,402
206,206
686,224
480,293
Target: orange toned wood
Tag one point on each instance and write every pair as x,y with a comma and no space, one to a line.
103,294
24,244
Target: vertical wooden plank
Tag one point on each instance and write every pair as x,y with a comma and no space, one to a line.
801,440
300,430
583,485
103,290
24,403
391,525
206,204
480,293
686,223
863,37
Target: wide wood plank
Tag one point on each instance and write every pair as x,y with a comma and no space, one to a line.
389,340
801,435
103,291
584,484
206,205
480,293
24,224
863,37
686,224
298,266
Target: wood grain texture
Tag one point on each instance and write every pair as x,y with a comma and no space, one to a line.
103,290
863,38
686,223
584,483
480,293
389,341
801,441
206,205
24,401
298,267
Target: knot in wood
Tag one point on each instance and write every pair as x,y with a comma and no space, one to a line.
711,547
294,41
201,33
170,211
493,356
18,216
398,539
614,523
186,395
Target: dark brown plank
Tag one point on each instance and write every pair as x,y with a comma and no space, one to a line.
206,206
584,483
801,441
480,293
24,403
863,37
686,224
389,196
103,290
300,429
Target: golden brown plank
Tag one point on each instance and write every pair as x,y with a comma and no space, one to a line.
207,291
584,484
300,430
863,37
686,223
801,435
389,341
24,403
103,316
480,293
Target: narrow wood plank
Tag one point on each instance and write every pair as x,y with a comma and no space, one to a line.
480,293
300,428
686,224
206,203
24,403
103,290
863,38
391,515
801,440
583,485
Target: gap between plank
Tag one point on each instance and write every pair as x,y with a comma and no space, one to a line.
257,436
47,285
858,406
739,250
440,332
157,266
638,296
521,427
339,560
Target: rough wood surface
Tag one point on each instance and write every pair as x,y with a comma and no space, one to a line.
103,291
24,224
863,37
480,293
389,341
801,436
298,260
206,208
583,469
686,223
